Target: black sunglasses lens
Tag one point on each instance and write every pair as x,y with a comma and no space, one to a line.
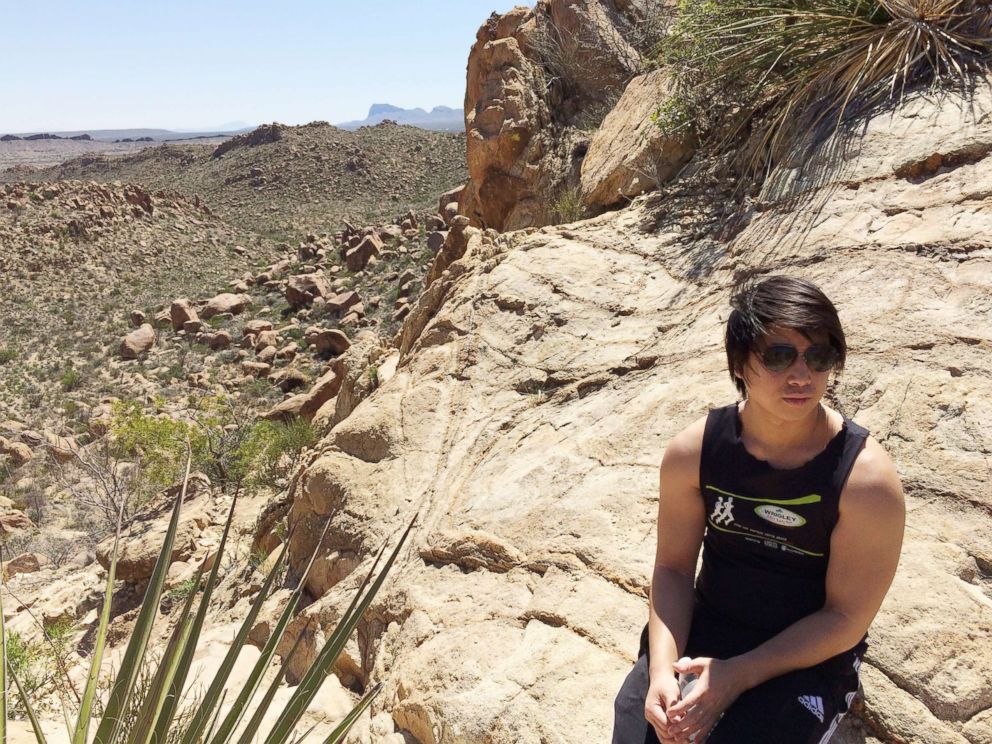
821,358
779,357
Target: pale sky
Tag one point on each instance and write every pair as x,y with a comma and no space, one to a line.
108,64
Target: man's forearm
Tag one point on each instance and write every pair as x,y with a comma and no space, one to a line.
670,617
805,643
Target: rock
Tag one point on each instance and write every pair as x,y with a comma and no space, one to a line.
288,379
162,319
541,376
327,340
357,258
435,240
137,342
217,341
256,326
326,388
343,302
25,563
451,196
256,369
531,74
288,352
192,327
137,318
266,338
182,312
61,449
287,409
18,452
14,522
629,154
303,288
225,303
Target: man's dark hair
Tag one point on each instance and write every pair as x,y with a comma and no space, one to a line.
783,301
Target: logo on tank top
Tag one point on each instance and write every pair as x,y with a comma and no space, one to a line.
779,515
723,512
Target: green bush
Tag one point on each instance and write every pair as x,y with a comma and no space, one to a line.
795,70
7,355
568,205
71,380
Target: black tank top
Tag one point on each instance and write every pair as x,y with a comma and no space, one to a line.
767,539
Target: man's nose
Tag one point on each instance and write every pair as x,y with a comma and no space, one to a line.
799,372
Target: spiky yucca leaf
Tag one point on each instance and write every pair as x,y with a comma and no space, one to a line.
796,70
120,693
3,677
39,735
314,677
81,731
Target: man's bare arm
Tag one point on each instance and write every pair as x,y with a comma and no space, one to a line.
681,521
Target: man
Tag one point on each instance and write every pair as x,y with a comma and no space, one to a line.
800,516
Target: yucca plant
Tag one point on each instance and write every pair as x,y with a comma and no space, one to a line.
150,713
793,71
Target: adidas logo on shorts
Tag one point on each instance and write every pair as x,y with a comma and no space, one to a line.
814,704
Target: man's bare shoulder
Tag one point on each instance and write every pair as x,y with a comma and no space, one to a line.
873,483
684,449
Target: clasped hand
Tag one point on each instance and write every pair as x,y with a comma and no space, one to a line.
675,720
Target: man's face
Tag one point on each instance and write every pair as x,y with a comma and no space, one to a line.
793,393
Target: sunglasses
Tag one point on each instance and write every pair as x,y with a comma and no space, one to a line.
779,357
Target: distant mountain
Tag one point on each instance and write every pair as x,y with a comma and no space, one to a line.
439,118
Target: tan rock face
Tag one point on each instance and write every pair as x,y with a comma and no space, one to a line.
140,547
540,378
629,154
531,74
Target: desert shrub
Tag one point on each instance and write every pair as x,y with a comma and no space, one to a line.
7,355
568,205
27,661
158,441
277,447
71,380
794,71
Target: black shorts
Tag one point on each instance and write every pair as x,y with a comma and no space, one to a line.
801,707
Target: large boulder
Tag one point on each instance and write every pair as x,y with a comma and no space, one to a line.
137,342
629,154
540,378
302,289
226,302
182,312
18,452
358,256
142,541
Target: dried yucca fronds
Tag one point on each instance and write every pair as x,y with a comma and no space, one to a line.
794,71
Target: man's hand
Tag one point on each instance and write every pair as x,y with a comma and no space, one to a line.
663,693
717,687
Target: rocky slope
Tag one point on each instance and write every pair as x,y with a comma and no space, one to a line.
285,181
538,379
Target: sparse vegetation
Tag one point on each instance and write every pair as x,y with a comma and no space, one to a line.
568,205
788,73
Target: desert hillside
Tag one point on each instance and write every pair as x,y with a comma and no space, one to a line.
283,182
345,337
